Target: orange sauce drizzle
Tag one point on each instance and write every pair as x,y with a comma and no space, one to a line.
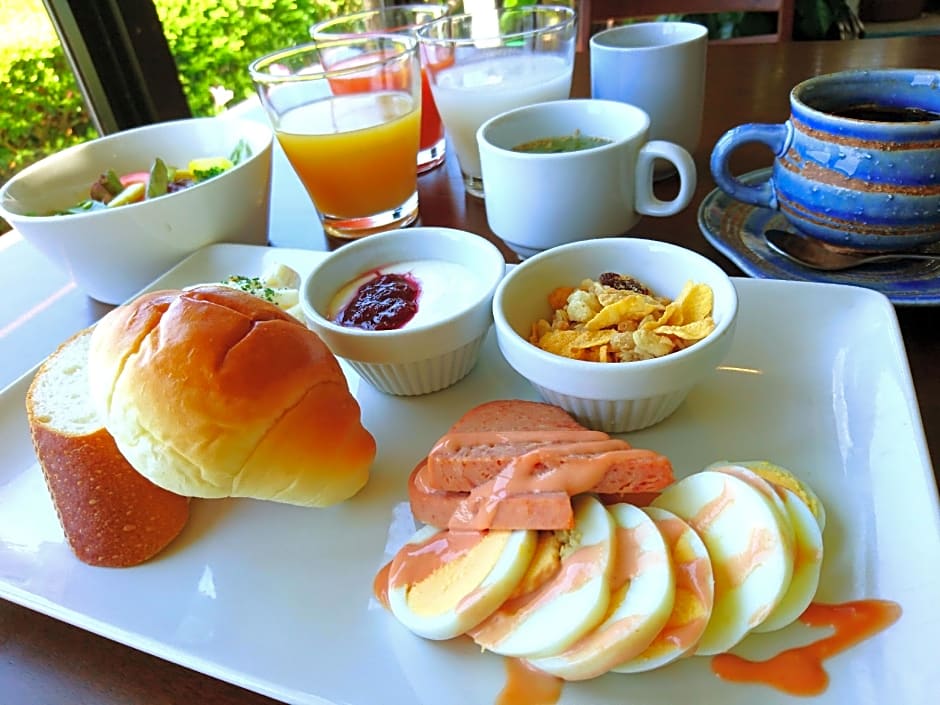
710,512
630,560
571,468
693,576
576,569
737,569
415,562
380,585
528,686
800,671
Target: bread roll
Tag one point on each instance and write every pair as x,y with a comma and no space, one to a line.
212,392
111,514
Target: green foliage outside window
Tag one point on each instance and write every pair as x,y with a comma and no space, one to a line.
43,110
212,41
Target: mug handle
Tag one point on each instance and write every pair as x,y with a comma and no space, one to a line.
646,202
777,137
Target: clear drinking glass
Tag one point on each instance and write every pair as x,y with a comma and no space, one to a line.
348,115
489,61
397,19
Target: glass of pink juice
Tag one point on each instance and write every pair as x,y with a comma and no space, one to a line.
397,19
348,115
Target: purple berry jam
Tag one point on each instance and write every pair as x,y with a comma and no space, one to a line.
385,302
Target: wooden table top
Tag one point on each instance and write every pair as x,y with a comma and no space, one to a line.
50,662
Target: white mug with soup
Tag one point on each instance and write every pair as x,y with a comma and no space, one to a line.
562,171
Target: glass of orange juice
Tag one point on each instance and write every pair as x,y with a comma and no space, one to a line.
348,115
397,19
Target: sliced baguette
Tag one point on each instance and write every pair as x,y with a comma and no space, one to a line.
111,515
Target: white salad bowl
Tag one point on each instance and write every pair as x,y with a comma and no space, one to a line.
615,396
112,253
428,355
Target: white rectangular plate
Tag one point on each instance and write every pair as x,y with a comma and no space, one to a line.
278,598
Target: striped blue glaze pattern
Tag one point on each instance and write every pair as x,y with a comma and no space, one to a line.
737,229
852,183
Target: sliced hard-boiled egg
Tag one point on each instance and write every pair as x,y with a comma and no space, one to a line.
781,477
694,595
766,489
571,601
806,514
751,558
770,492
807,564
442,583
642,588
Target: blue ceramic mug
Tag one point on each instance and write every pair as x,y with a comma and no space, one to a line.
857,164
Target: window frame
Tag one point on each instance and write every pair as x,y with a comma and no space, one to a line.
121,61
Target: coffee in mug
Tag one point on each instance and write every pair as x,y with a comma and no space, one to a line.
857,164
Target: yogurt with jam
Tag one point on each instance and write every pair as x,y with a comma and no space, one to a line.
403,294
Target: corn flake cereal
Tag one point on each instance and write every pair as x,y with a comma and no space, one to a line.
617,319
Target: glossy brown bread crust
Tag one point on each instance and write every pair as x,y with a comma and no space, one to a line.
111,515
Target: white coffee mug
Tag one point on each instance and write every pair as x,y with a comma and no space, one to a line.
659,67
535,201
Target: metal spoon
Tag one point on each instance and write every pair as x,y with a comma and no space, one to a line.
816,255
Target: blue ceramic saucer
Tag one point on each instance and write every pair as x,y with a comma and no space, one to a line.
736,230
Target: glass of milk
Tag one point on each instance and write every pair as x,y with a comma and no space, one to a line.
488,61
